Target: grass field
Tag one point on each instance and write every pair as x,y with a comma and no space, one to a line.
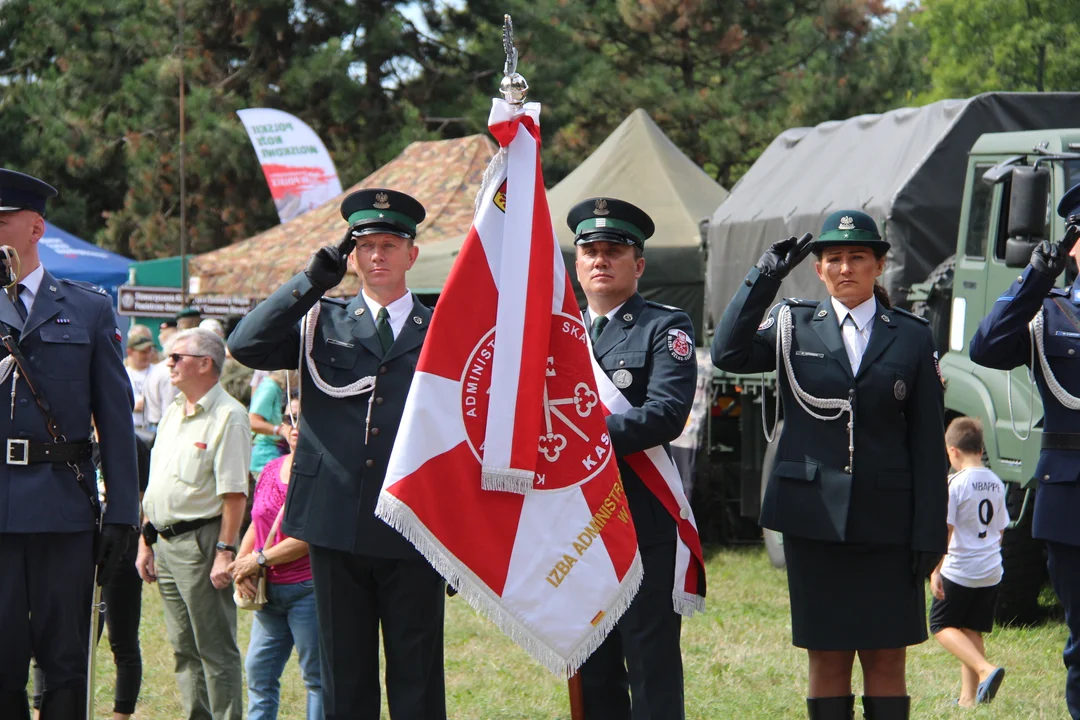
738,662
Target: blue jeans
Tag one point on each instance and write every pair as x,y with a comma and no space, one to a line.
287,618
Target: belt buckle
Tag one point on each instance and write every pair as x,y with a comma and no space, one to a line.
20,448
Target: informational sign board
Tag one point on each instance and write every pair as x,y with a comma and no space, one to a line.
166,302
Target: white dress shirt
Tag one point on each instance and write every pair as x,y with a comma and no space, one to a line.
31,284
592,314
855,336
399,310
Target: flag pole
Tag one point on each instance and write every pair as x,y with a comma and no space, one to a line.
513,88
577,697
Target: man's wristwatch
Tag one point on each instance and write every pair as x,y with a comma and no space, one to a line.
222,546
260,558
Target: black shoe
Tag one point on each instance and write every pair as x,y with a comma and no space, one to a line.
63,704
886,708
13,705
831,708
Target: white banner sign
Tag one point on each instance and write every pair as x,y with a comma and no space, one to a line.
298,169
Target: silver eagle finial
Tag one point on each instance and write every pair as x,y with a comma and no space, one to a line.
513,87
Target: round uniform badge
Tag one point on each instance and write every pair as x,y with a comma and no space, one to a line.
679,345
899,390
622,379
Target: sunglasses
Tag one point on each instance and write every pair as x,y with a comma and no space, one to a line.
175,357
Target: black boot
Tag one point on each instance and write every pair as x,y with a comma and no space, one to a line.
13,705
831,708
63,704
886,708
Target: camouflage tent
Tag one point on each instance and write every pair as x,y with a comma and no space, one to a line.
444,175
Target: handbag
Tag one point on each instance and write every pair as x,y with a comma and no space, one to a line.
259,601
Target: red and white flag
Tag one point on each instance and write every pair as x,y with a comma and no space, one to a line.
502,473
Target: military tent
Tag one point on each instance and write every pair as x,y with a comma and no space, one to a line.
905,168
444,175
639,164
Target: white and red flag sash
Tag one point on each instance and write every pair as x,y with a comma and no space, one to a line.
502,474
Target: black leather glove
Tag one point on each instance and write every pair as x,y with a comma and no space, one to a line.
923,563
1050,258
783,255
111,545
327,266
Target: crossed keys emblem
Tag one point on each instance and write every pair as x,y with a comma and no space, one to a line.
583,400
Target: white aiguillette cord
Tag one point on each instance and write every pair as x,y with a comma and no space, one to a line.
805,399
357,387
1060,393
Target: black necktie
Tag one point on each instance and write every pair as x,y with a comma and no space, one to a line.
598,325
382,327
20,306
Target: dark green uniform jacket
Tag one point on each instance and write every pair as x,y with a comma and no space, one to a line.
897,494
336,478
648,352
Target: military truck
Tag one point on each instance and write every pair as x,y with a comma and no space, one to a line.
994,196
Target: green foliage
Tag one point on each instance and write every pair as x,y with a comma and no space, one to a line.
981,45
89,89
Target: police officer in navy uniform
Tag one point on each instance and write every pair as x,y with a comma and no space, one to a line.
365,573
66,339
647,350
1032,306
859,486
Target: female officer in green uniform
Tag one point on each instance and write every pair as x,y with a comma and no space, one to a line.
859,485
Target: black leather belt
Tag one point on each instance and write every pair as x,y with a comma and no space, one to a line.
185,527
1060,441
24,452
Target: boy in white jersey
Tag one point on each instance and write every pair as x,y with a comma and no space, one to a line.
966,580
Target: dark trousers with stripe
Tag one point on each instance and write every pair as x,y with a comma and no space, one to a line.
642,654
1063,561
45,600
354,596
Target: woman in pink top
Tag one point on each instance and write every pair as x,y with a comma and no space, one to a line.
288,617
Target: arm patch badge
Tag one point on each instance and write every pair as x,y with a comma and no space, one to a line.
679,345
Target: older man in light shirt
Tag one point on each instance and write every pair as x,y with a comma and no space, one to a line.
193,506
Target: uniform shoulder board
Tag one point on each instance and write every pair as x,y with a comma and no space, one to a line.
341,302
1062,292
907,313
85,286
669,308
800,302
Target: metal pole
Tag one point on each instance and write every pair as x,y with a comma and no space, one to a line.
183,211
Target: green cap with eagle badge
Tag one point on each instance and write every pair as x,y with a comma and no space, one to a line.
378,210
850,227
610,220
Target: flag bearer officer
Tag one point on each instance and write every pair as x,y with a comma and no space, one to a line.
366,574
67,368
859,487
1033,307
647,350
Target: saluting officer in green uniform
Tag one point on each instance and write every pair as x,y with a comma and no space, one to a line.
367,576
859,487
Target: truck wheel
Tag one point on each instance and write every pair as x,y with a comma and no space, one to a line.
1024,561
937,308
774,541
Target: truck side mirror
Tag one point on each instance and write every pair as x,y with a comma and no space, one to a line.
1027,213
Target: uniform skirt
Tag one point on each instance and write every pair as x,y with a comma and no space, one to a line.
851,596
